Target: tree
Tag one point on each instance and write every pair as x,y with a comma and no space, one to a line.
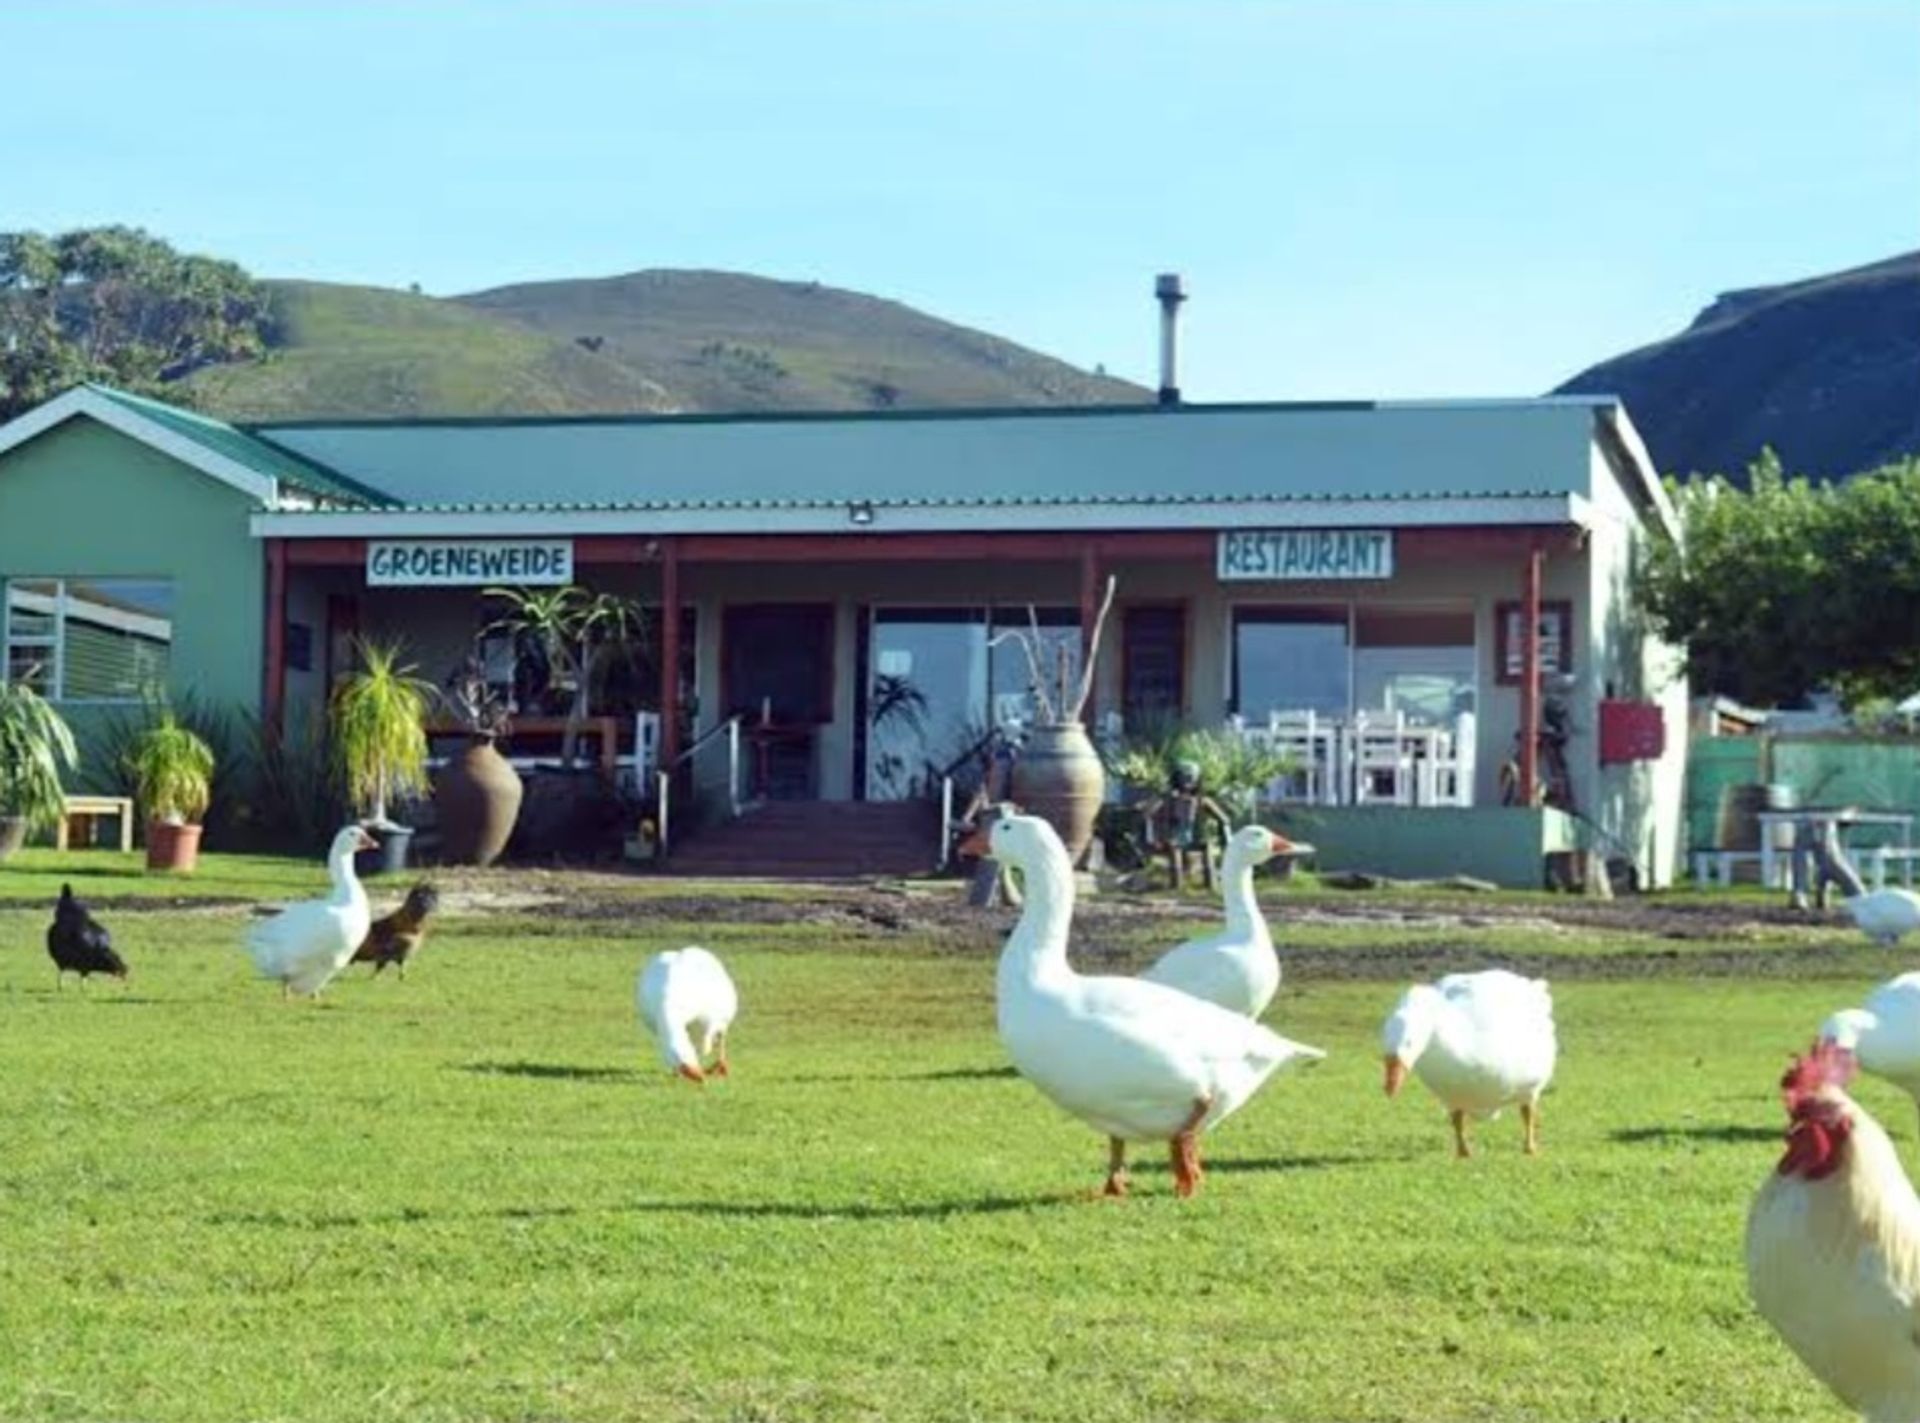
1790,586
116,305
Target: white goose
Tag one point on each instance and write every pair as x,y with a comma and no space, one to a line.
683,992
306,944
1883,915
1235,967
1138,1061
1480,1042
1884,1035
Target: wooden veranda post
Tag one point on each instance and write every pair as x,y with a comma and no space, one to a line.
273,693
1530,677
669,653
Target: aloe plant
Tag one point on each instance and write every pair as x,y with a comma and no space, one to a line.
35,747
172,771
578,633
380,731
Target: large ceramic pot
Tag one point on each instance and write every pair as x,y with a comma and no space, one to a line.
174,848
477,799
1059,778
13,834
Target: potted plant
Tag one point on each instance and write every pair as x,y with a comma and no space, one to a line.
35,747
477,796
1059,776
379,717
172,770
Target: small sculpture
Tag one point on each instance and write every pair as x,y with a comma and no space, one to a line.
1177,823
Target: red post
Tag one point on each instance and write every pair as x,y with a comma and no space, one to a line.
1089,614
669,652
1530,678
273,694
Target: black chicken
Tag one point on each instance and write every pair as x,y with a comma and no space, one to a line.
79,944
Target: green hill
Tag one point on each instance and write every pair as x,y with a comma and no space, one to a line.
647,342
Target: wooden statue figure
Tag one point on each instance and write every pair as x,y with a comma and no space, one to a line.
1178,823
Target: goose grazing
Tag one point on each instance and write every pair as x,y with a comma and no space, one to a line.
1236,967
684,993
1883,1035
1884,915
1138,1061
1480,1042
306,944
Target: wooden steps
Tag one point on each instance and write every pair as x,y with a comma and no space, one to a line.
815,840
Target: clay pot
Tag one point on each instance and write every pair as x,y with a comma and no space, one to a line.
476,799
1058,777
173,848
13,834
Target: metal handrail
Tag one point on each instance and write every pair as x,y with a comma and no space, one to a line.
663,779
731,723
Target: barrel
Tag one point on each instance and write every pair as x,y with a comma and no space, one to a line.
1740,807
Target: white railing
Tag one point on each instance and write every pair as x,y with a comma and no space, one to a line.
663,779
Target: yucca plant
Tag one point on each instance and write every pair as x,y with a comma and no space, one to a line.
380,731
172,770
35,747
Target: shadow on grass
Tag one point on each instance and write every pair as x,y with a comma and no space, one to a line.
1226,1166
551,1071
945,1074
1717,1131
718,1210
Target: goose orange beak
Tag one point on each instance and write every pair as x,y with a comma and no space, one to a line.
365,842
1396,1076
977,845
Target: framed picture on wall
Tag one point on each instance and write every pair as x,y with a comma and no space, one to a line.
1556,639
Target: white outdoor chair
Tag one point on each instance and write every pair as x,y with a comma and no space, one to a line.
1312,741
1382,757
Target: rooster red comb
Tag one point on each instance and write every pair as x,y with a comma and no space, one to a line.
1826,1064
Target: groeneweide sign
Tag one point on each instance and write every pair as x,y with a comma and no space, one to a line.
454,563
1247,555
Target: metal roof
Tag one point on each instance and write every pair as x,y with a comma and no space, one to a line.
1029,458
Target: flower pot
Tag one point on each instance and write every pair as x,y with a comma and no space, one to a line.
390,856
174,848
477,799
13,834
1058,777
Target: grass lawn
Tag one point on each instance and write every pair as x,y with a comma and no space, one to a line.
474,1195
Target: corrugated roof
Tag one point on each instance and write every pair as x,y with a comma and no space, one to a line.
1186,454
270,460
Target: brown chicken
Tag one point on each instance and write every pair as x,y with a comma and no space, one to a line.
397,937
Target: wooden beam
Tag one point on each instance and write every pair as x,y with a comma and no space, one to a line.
943,548
1530,677
273,694
324,553
669,652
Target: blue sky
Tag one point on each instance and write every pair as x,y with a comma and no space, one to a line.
1434,197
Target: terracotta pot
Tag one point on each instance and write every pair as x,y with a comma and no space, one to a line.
477,799
175,848
1058,777
13,834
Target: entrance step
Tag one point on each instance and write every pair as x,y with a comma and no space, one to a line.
815,839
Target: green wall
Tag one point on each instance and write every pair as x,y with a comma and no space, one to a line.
1507,845
86,500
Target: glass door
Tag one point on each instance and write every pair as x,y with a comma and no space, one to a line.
926,696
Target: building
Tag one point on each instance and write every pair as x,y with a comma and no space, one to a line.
814,574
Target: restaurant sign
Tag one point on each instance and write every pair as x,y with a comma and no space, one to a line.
1250,554
453,563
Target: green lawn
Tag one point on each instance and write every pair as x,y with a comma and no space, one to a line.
474,1195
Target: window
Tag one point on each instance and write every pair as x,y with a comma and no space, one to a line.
1419,661
1556,639
89,639
1153,656
1290,659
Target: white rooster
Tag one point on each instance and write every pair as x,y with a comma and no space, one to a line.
683,992
1833,1245
306,944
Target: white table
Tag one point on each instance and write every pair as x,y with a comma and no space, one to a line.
1842,819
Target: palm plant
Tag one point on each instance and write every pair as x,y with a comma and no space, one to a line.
35,747
578,633
172,770
1233,769
379,731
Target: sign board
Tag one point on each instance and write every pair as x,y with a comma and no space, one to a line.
452,563
1248,555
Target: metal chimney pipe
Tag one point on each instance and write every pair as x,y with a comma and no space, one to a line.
1168,288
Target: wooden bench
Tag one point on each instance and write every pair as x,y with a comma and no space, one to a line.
89,808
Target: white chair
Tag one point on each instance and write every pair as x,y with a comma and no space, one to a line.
1382,759
1312,743
640,766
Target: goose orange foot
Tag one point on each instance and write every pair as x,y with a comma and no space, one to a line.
693,1074
1187,1173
